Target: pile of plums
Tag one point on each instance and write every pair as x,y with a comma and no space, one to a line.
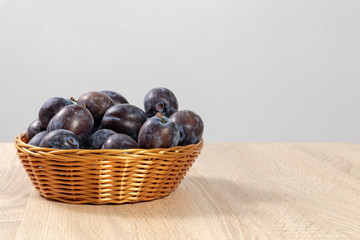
105,120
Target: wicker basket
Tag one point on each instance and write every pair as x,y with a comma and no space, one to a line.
105,176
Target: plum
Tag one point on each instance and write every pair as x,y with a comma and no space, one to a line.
75,118
116,97
190,125
50,108
124,118
97,103
160,100
34,128
97,139
35,141
60,139
158,132
119,141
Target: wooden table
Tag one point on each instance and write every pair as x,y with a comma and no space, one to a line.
233,191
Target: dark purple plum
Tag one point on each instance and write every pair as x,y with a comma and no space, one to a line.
75,118
50,108
97,103
116,97
34,128
124,118
97,139
160,100
190,125
119,141
60,139
158,132
35,141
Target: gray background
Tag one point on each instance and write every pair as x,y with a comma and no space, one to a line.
256,71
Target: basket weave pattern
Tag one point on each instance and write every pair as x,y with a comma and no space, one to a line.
105,176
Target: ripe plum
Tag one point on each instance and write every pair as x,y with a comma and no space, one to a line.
116,97
50,107
124,118
34,128
160,100
158,132
190,125
75,118
96,102
97,139
119,141
60,139
35,141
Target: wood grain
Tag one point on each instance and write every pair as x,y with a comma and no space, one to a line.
233,191
15,188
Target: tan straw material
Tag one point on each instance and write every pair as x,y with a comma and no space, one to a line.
106,176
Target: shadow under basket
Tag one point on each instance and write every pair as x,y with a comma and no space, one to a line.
105,176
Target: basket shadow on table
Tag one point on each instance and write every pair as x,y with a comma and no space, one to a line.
196,196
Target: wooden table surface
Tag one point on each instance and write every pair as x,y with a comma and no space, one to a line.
233,191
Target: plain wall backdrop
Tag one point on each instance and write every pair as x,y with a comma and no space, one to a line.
256,71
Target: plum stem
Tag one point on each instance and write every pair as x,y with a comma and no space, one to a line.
73,99
159,115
